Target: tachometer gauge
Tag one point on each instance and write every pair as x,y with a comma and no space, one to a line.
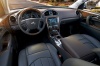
33,15
28,15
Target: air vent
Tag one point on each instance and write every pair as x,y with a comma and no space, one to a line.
54,13
46,13
50,12
12,19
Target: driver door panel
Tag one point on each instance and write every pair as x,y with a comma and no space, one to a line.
6,47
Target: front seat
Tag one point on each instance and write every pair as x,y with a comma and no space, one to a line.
46,55
42,54
81,46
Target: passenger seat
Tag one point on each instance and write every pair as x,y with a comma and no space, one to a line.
81,46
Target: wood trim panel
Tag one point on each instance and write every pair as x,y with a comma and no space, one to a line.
4,22
86,12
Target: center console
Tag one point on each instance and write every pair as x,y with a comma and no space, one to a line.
54,29
53,25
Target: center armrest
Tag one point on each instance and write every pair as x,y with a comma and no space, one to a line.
80,46
75,48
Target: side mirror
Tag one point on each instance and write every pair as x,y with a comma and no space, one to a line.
91,4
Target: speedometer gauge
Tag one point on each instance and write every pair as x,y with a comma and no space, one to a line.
32,15
25,16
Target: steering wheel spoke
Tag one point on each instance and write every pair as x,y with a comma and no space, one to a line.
40,25
38,28
28,30
23,22
24,25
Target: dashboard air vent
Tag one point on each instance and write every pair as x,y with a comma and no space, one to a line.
12,19
50,12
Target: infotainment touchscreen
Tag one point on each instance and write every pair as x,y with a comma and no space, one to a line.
52,21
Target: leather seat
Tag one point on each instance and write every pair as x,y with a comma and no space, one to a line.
46,55
80,46
39,55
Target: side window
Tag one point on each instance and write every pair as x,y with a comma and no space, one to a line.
2,12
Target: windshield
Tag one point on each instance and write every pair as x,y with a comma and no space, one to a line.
16,4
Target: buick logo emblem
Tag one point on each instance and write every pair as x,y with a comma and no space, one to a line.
33,23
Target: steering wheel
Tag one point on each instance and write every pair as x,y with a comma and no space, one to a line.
31,26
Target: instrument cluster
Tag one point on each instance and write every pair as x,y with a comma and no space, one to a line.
30,14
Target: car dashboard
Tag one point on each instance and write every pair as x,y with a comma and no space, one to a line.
64,15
